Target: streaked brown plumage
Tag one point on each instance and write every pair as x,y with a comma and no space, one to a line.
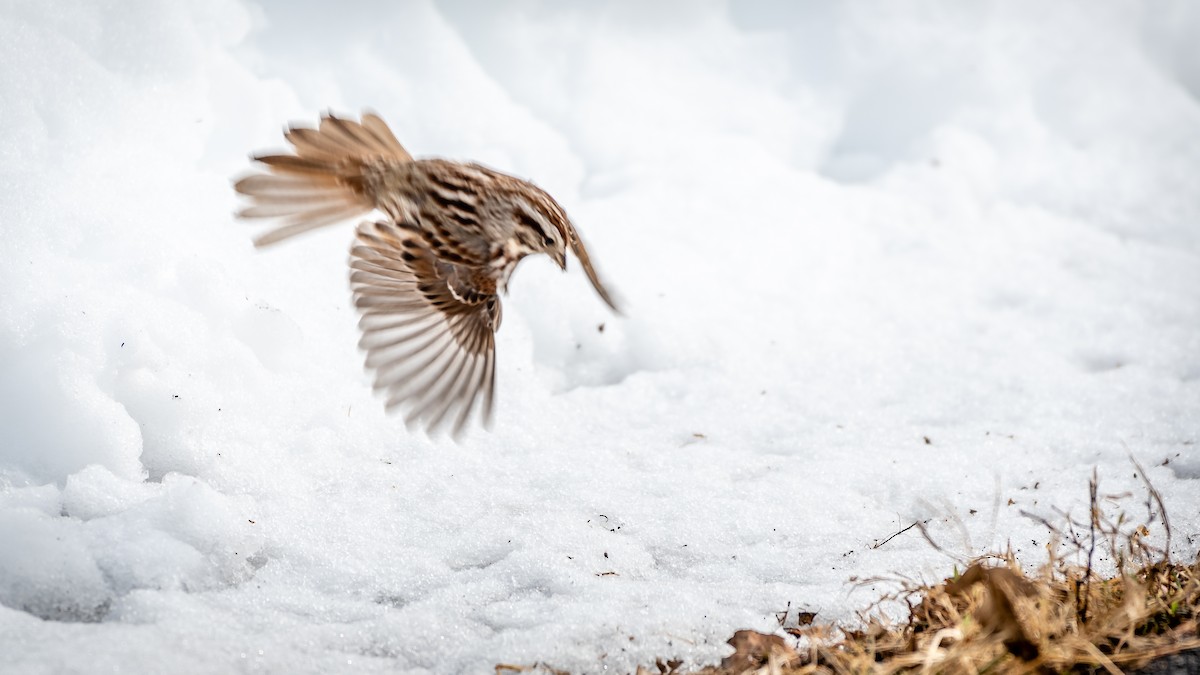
426,276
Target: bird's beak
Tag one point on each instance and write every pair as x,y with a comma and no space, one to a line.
560,259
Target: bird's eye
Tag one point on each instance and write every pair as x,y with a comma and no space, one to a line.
548,241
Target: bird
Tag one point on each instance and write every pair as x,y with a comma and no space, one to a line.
439,243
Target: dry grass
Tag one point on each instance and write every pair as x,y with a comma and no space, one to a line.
994,618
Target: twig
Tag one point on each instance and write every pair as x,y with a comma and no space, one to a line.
897,534
1156,497
1093,523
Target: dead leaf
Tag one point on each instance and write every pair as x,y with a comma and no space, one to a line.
752,650
997,614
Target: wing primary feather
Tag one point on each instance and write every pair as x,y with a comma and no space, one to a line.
404,377
453,392
379,271
371,324
391,339
425,377
379,358
390,284
489,377
473,383
364,270
440,393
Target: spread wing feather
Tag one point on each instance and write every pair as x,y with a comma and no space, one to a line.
432,349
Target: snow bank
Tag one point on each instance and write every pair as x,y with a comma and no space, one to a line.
881,264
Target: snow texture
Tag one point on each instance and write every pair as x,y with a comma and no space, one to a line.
881,263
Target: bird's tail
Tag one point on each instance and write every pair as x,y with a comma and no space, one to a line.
323,181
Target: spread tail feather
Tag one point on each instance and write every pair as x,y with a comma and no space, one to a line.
323,182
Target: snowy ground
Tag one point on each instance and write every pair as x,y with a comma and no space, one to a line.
839,230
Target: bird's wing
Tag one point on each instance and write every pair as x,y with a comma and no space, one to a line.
428,327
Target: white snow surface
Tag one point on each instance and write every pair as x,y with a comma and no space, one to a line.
881,262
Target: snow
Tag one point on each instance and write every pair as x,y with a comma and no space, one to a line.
839,230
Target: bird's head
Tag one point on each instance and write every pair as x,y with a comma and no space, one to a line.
540,225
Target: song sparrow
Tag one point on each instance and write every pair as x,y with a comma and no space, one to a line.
426,276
